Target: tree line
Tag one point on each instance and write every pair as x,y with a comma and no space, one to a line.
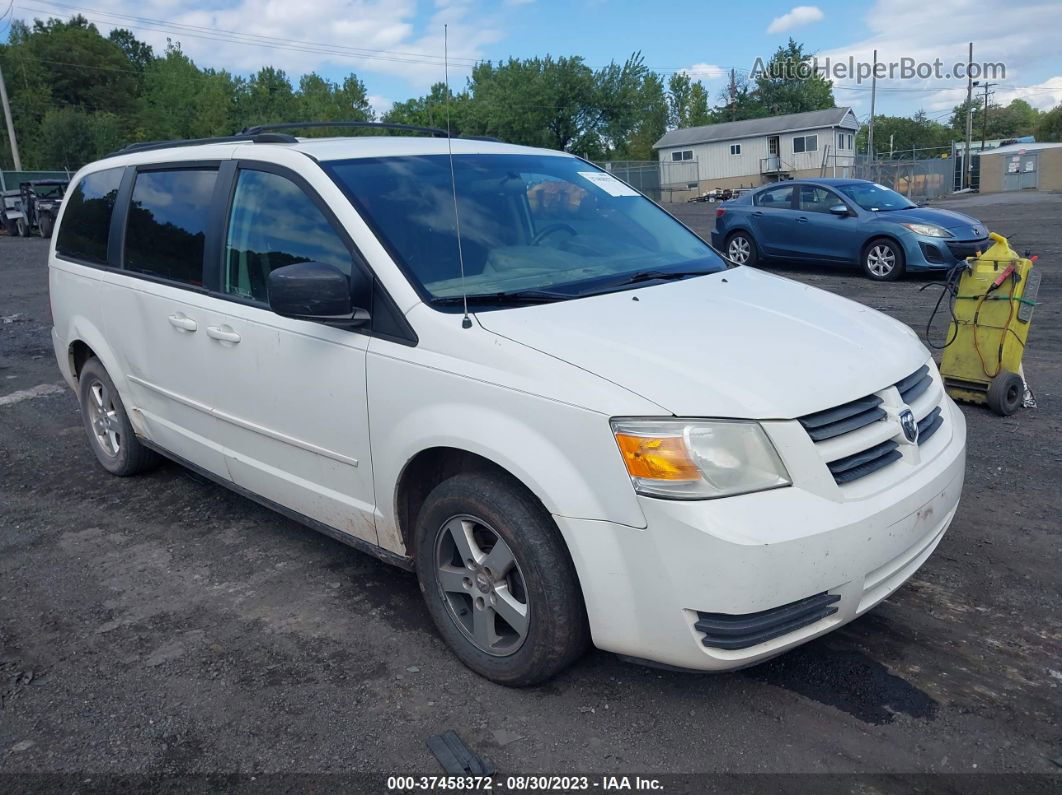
77,95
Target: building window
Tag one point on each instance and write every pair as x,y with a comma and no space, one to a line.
844,141
692,185
806,143
685,154
735,149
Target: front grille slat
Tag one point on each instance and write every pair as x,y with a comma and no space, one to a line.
822,418
912,380
740,631
847,425
930,424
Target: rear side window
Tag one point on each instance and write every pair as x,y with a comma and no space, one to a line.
273,224
775,197
165,233
87,217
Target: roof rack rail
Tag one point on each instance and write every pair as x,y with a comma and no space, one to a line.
147,146
376,125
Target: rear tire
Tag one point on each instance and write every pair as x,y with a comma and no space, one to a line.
45,224
883,260
21,228
11,227
741,248
111,436
498,581
1005,393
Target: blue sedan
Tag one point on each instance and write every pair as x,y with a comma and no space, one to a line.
844,221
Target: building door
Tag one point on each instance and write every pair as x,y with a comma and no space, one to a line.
1020,171
773,161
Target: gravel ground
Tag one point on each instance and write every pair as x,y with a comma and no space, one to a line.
161,626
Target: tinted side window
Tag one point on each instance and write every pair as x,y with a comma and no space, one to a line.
166,230
273,224
816,200
87,217
779,198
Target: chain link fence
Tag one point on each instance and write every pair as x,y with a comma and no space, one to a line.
660,180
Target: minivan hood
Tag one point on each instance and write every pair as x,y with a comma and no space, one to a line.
962,226
740,343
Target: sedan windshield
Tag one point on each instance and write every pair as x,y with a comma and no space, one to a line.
874,197
533,227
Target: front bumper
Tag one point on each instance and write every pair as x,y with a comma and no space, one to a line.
645,588
936,253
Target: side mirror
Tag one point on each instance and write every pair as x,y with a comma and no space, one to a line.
319,293
839,209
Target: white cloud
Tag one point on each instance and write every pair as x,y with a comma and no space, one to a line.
798,17
703,72
384,37
380,105
1021,37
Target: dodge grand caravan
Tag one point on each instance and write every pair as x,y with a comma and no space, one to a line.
624,439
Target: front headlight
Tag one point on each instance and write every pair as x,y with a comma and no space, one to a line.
928,230
698,459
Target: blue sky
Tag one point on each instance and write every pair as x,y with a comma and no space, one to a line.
395,46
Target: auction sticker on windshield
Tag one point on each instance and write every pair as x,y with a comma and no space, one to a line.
608,183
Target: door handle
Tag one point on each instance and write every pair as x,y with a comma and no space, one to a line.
183,322
222,333
802,220
757,214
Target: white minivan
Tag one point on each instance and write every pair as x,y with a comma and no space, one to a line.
624,440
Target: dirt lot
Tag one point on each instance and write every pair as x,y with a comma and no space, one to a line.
161,626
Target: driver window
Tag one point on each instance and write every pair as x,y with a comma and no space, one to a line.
778,198
274,223
816,200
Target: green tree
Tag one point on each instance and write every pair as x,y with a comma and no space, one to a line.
136,52
71,137
266,97
653,122
787,84
1049,127
911,137
181,101
679,95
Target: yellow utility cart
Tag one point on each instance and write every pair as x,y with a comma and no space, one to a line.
992,311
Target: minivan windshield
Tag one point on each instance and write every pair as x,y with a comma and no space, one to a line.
874,197
534,228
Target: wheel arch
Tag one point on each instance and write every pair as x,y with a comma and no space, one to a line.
430,467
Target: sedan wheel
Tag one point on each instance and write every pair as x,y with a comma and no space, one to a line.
741,250
482,585
883,260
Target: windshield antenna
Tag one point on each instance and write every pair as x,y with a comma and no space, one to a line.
466,321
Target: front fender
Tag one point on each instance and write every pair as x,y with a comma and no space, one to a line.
564,454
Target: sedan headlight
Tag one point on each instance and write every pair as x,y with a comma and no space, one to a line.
698,459
928,230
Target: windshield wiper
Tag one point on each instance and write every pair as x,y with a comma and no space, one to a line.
657,275
506,297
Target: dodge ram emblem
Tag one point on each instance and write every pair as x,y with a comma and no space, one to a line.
909,425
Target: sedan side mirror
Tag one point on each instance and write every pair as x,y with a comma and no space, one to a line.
319,293
839,209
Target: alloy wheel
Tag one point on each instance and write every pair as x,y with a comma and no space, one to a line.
739,249
103,417
482,586
881,260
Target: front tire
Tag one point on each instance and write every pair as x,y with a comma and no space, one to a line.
741,249
498,581
45,224
883,260
111,436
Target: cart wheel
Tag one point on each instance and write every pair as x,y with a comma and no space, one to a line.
21,227
1005,393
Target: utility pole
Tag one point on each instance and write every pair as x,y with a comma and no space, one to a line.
967,162
10,123
873,94
732,104
984,116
